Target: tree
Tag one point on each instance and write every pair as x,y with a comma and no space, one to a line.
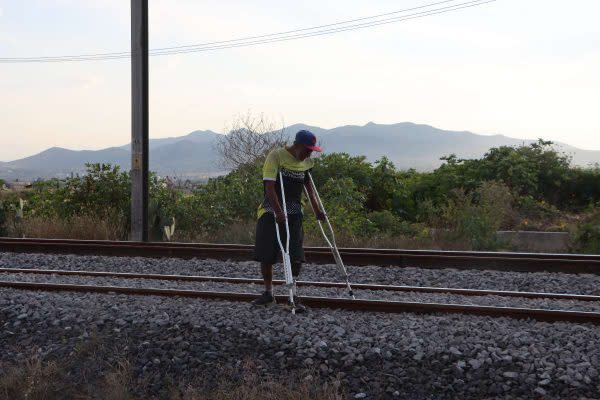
343,165
249,139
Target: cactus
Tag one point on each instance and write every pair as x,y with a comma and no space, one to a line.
3,231
170,230
161,227
19,213
18,217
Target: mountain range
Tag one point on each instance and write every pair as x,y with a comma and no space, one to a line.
194,156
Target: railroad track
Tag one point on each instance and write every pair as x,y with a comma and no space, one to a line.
504,261
355,286
318,302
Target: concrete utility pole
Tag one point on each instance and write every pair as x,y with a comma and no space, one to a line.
139,120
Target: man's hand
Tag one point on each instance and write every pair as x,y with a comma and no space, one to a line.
320,215
280,217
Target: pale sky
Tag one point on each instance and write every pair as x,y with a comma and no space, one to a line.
522,68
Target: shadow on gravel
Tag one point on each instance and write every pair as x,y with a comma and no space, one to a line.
108,368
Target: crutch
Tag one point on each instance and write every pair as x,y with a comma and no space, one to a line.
290,283
330,242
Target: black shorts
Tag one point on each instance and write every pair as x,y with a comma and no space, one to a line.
266,249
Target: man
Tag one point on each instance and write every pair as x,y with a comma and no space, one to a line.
294,163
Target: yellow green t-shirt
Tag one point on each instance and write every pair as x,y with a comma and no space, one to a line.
294,177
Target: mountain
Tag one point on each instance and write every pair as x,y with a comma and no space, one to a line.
206,138
407,144
411,145
64,160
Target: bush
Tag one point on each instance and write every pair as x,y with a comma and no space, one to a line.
586,236
104,190
224,200
476,217
535,215
383,221
344,204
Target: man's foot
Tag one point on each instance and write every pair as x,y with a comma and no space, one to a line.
264,299
298,306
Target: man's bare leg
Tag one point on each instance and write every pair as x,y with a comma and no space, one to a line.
267,274
296,267
267,297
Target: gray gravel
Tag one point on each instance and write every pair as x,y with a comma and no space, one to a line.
373,355
448,277
314,291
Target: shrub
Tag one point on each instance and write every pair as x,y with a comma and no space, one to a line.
535,214
103,190
344,205
476,217
586,236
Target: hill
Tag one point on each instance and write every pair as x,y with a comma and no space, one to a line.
407,144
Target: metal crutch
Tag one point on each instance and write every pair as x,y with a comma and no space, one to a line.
331,243
290,283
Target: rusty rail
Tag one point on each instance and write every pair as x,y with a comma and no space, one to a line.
356,286
335,303
522,262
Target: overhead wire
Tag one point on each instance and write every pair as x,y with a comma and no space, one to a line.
127,53
263,39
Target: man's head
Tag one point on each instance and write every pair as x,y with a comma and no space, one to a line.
304,144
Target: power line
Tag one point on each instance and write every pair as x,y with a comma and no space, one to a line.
127,53
268,38
204,47
336,30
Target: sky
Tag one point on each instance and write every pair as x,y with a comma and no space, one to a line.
522,68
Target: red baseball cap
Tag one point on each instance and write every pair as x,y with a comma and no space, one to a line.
308,139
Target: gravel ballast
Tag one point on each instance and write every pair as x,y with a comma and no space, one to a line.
373,355
500,301
551,282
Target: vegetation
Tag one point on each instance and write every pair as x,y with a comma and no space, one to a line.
461,204
94,372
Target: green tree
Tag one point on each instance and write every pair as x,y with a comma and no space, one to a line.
103,191
343,165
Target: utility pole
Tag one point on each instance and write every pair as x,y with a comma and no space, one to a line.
139,120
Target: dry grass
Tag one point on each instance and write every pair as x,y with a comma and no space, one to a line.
438,242
118,383
84,374
35,379
265,390
77,227
244,383
243,232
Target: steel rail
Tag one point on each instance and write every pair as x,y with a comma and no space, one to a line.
359,286
563,256
522,262
335,303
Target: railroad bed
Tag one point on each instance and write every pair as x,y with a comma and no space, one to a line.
395,355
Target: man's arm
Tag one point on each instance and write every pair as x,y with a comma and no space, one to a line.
274,201
312,197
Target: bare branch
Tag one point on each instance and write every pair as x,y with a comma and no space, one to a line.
249,138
